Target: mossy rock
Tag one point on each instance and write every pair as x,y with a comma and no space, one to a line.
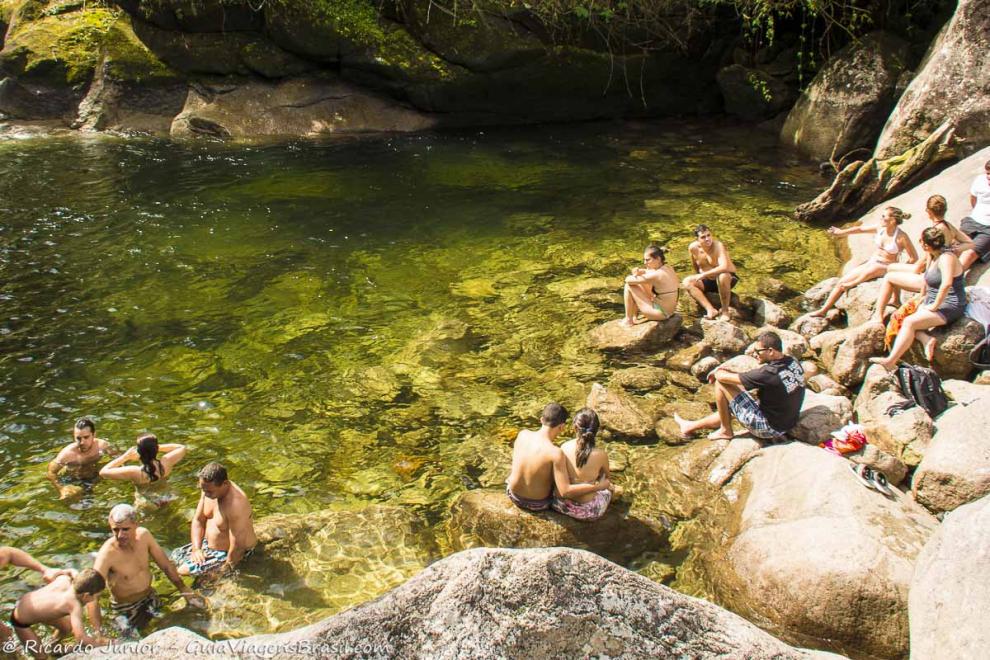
196,15
127,59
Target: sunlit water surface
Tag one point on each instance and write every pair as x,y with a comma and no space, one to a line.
344,325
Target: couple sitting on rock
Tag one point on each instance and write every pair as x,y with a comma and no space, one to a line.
652,291
572,479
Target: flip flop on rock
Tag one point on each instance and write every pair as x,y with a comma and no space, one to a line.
864,475
879,481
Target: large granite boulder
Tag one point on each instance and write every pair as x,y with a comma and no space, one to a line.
487,518
620,413
957,60
809,326
956,468
648,336
497,603
845,106
906,435
810,551
859,301
766,312
820,415
724,337
752,93
845,353
951,586
954,345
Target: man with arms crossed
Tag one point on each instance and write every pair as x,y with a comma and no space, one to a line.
81,457
780,386
222,531
977,224
123,563
714,273
538,465
60,605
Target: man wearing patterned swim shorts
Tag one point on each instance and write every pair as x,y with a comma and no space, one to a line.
779,383
123,561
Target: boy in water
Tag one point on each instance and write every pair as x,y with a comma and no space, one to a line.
59,604
81,457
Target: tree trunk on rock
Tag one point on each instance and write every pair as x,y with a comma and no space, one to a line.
861,185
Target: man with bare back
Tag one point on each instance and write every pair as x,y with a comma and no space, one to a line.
15,557
123,561
714,273
58,604
222,530
538,464
80,459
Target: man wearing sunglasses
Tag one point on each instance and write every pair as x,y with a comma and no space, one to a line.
779,383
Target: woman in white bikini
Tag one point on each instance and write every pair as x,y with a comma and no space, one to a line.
651,291
890,242
150,479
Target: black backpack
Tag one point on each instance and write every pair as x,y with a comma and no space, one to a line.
923,386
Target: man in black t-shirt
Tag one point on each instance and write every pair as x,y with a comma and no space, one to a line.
779,383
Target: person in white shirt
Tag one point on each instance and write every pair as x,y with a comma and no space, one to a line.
977,225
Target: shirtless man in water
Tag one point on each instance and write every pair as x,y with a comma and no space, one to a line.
14,557
651,290
60,605
222,531
714,273
538,465
81,457
123,562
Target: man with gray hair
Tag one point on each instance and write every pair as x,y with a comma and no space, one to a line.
123,561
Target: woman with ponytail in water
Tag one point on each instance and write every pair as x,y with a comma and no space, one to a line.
150,479
585,464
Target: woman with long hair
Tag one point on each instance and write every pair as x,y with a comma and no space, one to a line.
944,291
651,291
890,241
150,478
585,464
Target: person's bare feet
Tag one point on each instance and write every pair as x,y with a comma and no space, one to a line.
628,322
930,349
721,434
711,314
884,362
724,315
683,426
818,313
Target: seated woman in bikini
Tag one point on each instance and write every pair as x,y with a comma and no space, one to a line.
651,291
944,292
908,277
890,242
585,463
150,479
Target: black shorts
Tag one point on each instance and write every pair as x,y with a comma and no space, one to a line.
980,234
711,283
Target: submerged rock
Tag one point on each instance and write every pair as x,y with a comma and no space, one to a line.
906,435
951,584
488,518
556,602
646,336
807,541
640,379
620,413
956,468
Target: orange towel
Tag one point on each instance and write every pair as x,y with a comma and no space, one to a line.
897,318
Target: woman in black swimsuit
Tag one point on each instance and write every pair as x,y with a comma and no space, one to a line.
944,289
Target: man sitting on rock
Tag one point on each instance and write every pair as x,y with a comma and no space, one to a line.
538,465
977,224
780,386
714,273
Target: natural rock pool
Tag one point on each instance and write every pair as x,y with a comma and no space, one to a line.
355,328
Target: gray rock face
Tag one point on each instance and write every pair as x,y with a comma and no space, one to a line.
647,336
951,583
845,353
847,103
952,84
620,413
956,467
820,415
954,345
907,435
724,337
753,94
766,312
489,603
799,518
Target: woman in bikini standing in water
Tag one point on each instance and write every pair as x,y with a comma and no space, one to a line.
890,241
150,479
651,290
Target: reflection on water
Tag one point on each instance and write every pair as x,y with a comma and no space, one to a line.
342,324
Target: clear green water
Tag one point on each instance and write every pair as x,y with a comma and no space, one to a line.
342,324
